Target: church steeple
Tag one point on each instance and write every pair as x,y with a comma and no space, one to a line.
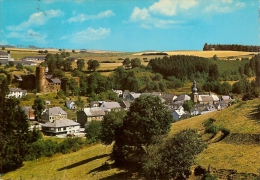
195,94
194,89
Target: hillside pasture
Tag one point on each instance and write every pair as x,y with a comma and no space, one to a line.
239,150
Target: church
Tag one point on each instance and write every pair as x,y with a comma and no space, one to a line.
205,98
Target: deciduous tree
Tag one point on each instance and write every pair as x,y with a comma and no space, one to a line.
173,158
38,107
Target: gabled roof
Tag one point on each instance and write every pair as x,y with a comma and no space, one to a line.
111,105
208,98
54,111
95,111
183,97
56,80
61,123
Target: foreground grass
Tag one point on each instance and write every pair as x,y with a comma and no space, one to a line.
87,163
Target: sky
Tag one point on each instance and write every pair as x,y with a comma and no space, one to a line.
132,26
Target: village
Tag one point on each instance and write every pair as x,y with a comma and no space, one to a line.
54,120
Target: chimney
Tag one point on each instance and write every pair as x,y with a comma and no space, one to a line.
210,93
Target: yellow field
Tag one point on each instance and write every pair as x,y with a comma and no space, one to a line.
208,54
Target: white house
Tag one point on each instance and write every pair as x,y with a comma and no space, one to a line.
71,104
62,126
107,106
52,114
178,113
16,92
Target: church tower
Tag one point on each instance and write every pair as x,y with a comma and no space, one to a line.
195,95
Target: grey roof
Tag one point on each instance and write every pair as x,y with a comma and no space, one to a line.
183,97
54,111
96,111
61,123
110,105
208,98
127,104
16,90
56,80
3,53
169,97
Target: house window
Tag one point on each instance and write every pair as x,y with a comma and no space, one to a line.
59,129
64,128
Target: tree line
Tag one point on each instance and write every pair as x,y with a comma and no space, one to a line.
231,47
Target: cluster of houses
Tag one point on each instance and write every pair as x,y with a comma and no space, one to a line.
55,121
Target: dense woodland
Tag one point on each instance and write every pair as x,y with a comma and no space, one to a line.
231,47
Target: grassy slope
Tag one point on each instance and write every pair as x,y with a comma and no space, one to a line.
243,119
88,163
84,164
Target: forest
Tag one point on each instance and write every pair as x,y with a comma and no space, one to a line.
230,47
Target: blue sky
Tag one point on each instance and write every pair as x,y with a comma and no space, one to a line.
136,25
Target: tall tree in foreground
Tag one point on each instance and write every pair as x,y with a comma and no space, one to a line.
173,158
146,118
14,133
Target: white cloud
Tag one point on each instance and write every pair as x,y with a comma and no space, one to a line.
163,13
170,7
85,17
140,14
28,36
143,17
224,6
89,34
36,19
